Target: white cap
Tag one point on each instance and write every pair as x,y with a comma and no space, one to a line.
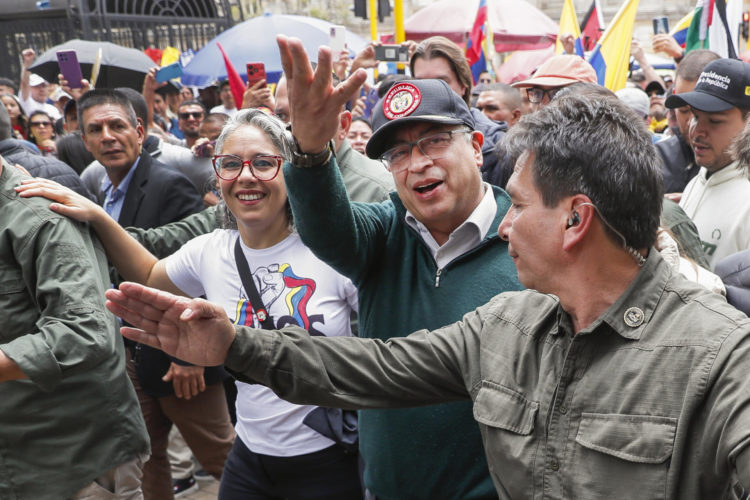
35,80
58,94
636,99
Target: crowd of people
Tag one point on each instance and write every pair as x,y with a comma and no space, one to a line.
411,288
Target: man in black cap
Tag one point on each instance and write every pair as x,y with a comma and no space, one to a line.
420,260
718,198
675,151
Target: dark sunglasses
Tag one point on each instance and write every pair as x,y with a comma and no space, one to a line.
40,124
190,114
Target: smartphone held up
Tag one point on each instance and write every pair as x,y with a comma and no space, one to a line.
67,60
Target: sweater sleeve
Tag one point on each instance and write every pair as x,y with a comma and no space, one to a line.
165,240
347,236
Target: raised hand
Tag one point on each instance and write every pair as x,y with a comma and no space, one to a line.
258,95
667,44
193,330
28,56
74,93
67,201
315,104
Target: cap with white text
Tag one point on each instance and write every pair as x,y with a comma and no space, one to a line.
724,84
415,101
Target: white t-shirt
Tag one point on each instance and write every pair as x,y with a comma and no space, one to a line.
30,105
720,208
296,288
221,109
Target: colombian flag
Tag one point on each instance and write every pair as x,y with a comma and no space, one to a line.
474,52
611,56
679,32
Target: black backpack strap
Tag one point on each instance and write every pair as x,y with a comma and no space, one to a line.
252,292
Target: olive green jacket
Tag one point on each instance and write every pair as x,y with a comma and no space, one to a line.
76,416
652,400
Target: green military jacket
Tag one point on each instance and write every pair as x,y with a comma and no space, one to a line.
76,416
651,401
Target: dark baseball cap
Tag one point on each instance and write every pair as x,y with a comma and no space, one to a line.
724,84
415,101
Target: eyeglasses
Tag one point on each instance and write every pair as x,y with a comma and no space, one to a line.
536,94
433,146
263,167
190,114
40,124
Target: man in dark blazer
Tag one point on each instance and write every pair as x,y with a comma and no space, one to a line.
142,192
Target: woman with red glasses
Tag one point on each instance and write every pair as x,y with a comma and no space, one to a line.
277,454
41,132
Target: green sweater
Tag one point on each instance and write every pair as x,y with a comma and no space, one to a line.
432,452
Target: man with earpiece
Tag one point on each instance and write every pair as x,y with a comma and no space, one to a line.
611,376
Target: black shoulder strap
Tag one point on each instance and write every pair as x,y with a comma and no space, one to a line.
252,292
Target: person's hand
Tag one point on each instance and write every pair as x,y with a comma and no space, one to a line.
365,58
22,170
637,51
341,64
48,146
67,202
667,44
74,93
675,197
149,81
257,96
568,41
412,45
358,110
210,199
203,148
28,56
187,381
193,330
314,103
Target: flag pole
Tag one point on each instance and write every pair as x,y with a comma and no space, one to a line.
398,18
374,28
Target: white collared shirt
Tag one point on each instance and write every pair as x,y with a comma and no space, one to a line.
466,236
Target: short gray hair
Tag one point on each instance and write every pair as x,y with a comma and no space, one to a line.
596,147
270,125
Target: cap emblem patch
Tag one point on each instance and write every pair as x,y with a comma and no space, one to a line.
401,100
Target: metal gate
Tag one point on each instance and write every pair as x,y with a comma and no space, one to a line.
185,24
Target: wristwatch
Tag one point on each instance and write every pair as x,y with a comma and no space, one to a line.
308,160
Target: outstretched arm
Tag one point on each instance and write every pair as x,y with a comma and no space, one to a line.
131,260
424,368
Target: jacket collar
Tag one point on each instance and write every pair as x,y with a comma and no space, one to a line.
630,314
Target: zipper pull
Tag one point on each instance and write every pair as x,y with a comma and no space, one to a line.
437,278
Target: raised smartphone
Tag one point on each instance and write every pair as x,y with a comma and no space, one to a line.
392,53
67,60
256,71
661,25
337,40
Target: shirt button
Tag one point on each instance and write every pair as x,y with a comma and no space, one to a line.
555,465
563,409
